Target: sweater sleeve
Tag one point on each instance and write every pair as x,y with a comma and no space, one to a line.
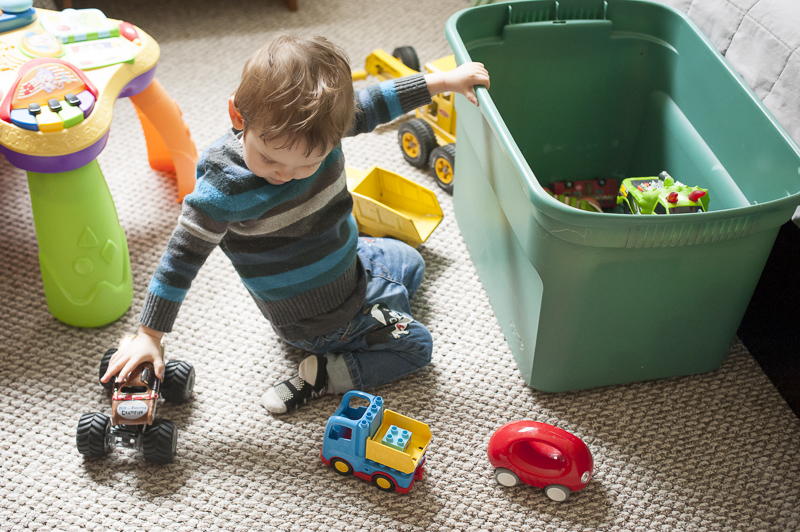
192,241
382,103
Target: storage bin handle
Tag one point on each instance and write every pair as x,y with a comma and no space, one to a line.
558,10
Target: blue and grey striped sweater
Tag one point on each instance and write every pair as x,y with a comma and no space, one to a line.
293,245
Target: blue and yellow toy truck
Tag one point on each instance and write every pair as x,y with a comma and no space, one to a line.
375,444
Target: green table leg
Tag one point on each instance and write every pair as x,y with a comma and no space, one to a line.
83,252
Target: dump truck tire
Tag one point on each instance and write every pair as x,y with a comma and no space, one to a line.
443,165
408,56
342,467
416,140
384,482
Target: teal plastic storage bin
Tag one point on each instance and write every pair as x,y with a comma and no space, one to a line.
623,88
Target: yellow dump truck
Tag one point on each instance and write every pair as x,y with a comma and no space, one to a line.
429,139
388,204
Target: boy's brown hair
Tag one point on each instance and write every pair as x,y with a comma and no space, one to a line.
298,89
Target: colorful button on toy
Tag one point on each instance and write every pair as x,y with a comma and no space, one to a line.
40,44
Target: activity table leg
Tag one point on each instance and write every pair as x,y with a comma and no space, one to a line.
83,251
169,143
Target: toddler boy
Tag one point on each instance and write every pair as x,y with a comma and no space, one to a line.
272,195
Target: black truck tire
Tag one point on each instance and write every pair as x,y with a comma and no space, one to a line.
93,435
104,367
408,56
178,382
416,140
159,441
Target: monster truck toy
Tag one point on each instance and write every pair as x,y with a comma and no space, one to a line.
133,424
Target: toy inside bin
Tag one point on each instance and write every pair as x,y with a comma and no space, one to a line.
619,89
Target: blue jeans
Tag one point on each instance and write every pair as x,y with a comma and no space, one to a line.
382,342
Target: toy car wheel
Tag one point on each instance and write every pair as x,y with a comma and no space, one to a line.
94,437
506,477
341,467
602,182
384,482
443,165
104,367
416,141
178,382
159,441
408,56
557,492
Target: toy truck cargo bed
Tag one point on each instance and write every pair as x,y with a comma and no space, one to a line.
404,460
388,204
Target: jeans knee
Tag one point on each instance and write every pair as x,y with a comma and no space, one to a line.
423,349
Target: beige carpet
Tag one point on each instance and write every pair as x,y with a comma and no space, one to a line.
715,452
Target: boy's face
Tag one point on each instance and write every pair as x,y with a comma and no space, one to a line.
271,162
279,165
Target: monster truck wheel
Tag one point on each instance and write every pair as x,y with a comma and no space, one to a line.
104,367
94,438
416,141
178,382
384,482
159,441
443,165
341,467
408,56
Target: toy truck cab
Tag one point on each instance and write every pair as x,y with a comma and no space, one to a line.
133,402
429,139
375,444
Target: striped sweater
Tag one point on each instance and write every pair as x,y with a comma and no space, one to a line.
293,245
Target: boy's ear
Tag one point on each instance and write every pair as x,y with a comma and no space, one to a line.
236,118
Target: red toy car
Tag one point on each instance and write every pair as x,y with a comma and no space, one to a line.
604,191
540,455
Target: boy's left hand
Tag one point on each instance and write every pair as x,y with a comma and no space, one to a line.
461,80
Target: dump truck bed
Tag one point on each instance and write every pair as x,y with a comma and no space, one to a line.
388,204
405,461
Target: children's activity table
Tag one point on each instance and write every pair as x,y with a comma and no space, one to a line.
60,74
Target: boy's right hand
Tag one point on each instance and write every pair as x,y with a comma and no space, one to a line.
144,347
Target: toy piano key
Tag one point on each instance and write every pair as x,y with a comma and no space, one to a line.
40,82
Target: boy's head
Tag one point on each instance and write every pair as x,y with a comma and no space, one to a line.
295,98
